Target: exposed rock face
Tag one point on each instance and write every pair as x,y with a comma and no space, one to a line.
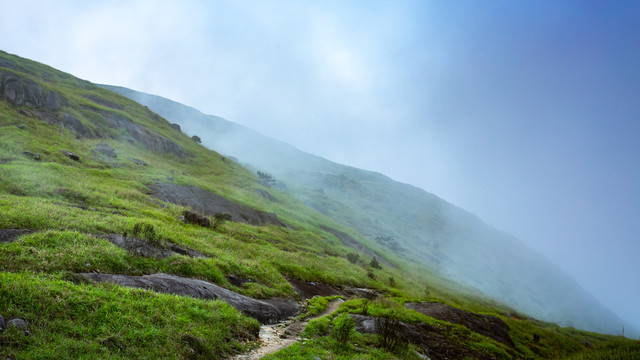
144,248
430,338
72,123
106,150
149,138
20,91
265,311
8,235
349,241
487,325
210,204
309,289
176,127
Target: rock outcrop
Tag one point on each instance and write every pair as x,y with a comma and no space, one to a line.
265,311
19,90
487,325
147,137
210,204
9,235
144,248
22,91
431,339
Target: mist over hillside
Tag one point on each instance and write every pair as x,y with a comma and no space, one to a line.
405,219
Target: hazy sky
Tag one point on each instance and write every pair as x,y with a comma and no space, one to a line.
526,113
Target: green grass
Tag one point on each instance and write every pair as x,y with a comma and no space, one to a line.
82,321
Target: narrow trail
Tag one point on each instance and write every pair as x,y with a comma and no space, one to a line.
278,336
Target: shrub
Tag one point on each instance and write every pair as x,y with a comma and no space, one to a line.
197,139
343,327
389,330
317,328
220,218
353,257
146,232
375,264
265,179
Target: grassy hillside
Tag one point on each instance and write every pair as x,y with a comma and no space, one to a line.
402,219
57,213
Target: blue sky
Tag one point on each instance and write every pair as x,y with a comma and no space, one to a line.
525,113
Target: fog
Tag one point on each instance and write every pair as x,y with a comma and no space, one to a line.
525,114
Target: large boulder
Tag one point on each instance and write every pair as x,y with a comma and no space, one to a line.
265,311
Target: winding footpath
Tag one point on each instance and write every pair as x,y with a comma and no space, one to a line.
276,337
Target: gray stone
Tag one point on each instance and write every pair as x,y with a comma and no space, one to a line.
106,150
146,249
210,204
176,127
138,161
33,94
19,91
18,323
266,311
6,63
74,124
53,101
147,137
13,90
34,156
21,126
9,235
71,155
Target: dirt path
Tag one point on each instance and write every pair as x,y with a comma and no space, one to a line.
278,336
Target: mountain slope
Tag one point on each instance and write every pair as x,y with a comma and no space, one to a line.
404,219
121,238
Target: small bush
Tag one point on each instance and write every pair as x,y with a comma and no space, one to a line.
317,328
375,264
389,330
220,218
265,179
353,257
343,327
147,232
197,139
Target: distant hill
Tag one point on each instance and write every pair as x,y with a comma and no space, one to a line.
403,219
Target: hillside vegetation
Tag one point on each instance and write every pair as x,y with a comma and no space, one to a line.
402,219
78,165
